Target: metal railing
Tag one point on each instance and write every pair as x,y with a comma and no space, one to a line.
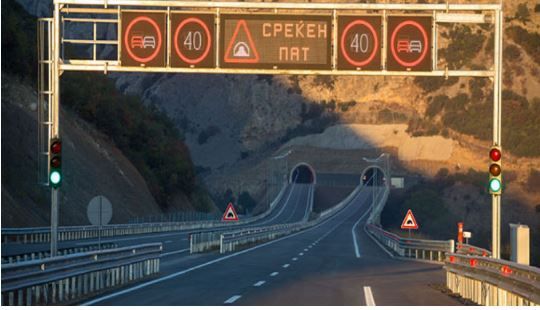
493,282
430,250
15,258
66,279
66,233
468,249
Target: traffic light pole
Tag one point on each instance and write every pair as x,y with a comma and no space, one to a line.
496,198
55,110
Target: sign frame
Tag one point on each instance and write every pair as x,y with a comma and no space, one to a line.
275,17
171,37
162,39
347,64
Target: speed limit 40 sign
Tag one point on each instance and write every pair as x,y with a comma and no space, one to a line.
192,43
359,42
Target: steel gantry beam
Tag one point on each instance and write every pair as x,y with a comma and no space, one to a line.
109,12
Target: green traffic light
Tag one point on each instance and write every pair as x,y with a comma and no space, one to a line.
55,177
495,185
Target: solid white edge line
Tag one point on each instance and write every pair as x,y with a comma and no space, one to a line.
259,283
174,275
353,231
370,302
232,299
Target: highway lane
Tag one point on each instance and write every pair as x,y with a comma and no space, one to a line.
318,266
291,207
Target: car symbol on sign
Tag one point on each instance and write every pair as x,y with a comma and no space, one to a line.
403,46
137,41
149,41
409,46
415,46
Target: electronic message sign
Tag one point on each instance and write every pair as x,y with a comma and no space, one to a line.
265,41
409,43
359,42
192,40
143,39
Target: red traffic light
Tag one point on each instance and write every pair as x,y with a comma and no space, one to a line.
495,154
56,147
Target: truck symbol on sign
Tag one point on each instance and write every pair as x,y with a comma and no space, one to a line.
143,41
409,46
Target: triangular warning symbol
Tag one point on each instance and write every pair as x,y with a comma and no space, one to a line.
409,222
230,213
241,49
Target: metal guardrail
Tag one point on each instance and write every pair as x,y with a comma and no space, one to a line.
431,250
493,282
468,249
66,279
66,233
8,259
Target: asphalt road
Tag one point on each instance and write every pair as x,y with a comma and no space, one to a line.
292,207
323,265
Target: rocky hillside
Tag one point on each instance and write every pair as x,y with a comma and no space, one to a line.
113,145
91,164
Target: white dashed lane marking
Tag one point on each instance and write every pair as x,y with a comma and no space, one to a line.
370,302
294,258
286,266
259,283
232,299
273,274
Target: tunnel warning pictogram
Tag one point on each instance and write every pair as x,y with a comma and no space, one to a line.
230,213
409,222
241,48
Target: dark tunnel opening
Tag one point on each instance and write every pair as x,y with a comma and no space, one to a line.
373,177
303,174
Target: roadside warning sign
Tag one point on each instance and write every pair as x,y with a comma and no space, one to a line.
241,48
409,222
230,213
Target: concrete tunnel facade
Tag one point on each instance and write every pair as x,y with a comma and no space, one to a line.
303,173
374,176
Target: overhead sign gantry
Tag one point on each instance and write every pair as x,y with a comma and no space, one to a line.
373,39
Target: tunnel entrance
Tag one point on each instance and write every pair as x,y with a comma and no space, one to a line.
303,173
373,176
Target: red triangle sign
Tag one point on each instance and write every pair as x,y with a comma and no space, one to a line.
230,213
409,222
241,50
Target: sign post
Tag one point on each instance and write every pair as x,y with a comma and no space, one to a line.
99,212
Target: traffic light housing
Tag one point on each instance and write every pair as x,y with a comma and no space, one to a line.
495,171
55,163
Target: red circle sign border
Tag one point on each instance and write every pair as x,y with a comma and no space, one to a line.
342,43
126,41
393,49
208,35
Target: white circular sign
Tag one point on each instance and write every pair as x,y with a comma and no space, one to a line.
99,208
